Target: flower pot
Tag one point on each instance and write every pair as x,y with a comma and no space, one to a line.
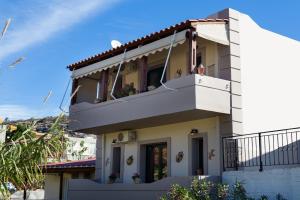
137,180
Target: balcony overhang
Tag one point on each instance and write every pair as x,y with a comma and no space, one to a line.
194,97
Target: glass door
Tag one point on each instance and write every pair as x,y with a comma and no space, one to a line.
156,162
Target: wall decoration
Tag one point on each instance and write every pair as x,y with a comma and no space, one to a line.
179,156
211,154
129,160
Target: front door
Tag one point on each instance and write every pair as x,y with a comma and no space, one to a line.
197,156
156,162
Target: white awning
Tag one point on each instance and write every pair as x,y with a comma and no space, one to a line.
131,55
217,32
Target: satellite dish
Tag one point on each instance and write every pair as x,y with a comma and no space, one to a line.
115,44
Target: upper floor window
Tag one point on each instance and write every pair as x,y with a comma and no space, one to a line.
154,76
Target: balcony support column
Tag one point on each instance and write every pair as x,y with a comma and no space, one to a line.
192,50
142,66
103,87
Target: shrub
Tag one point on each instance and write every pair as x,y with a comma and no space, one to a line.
206,190
222,191
177,192
239,192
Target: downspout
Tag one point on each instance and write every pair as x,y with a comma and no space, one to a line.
166,63
119,69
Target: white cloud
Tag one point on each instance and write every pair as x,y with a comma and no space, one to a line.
14,112
45,20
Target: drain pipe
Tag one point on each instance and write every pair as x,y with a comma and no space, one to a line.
166,64
113,87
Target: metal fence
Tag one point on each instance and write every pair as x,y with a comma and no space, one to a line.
279,147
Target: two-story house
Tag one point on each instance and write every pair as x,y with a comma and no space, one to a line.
160,104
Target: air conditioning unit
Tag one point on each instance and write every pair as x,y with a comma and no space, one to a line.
126,136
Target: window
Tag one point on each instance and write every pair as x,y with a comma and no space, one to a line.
199,60
154,76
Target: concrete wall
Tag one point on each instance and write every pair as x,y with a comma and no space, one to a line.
270,78
178,60
89,190
179,135
230,69
52,186
270,182
209,53
212,95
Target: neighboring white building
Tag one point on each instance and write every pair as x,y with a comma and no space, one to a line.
2,133
169,132
86,144
58,174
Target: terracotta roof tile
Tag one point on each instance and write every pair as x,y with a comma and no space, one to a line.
72,164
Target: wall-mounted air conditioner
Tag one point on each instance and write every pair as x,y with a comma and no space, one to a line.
127,136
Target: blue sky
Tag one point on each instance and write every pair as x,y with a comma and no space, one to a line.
52,34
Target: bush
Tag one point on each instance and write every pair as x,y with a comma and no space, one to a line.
206,190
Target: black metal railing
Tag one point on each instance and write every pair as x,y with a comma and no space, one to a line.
279,147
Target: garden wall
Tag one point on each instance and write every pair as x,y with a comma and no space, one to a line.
270,182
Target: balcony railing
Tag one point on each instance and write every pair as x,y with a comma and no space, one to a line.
272,148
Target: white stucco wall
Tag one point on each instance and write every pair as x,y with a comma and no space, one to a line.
52,182
270,68
74,147
179,134
270,182
52,186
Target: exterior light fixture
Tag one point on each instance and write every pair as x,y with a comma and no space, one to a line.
194,131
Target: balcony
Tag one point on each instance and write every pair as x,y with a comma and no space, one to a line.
193,97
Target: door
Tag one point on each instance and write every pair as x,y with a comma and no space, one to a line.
156,162
116,161
197,156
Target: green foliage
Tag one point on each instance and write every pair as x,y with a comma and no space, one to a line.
222,191
206,190
77,154
24,155
239,191
280,197
263,197
177,192
201,189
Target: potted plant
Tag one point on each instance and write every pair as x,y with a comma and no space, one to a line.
112,178
136,178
